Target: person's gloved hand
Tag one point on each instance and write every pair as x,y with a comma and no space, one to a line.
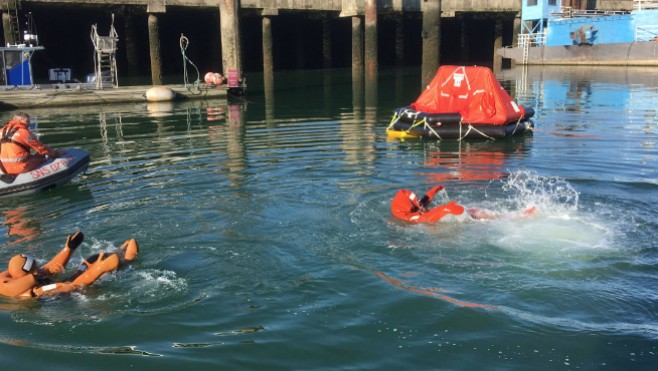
430,195
74,240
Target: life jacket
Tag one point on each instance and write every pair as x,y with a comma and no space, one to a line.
16,141
407,206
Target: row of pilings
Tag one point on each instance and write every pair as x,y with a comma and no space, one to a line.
365,47
364,41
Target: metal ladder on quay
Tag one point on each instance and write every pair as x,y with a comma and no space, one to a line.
524,44
526,50
13,34
105,61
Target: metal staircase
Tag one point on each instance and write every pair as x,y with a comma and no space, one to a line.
105,61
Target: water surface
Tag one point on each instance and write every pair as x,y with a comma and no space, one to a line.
267,240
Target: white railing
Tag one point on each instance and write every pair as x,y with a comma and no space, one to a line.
567,12
645,4
597,13
531,39
646,33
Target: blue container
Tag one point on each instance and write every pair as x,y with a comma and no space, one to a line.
19,74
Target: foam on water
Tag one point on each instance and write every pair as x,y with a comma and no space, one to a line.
550,233
557,225
156,285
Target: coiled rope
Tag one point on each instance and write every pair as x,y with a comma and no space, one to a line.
193,88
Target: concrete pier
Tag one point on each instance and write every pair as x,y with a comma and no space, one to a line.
62,96
295,34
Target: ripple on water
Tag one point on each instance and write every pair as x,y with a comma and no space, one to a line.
273,227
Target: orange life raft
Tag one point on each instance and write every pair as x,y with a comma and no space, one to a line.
462,102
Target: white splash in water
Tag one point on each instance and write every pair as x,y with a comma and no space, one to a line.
156,285
557,226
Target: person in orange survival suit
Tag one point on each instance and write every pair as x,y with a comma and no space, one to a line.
16,143
407,206
23,277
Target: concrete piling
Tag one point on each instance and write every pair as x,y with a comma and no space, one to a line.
371,63
399,41
154,48
516,30
131,42
268,68
464,39
268,60
431,35
357,46
300,46
230,32
326,43
498,43
357,63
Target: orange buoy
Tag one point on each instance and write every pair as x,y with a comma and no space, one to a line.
213,78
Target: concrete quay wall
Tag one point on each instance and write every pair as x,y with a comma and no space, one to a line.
448,7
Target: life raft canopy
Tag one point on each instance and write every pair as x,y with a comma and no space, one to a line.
473,92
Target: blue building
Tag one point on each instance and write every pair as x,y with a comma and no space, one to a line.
548,23
534,19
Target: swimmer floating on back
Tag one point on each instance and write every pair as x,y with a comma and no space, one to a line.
24,278
407,206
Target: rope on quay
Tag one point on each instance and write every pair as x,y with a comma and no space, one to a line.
195,87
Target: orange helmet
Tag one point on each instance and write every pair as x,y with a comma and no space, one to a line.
20,265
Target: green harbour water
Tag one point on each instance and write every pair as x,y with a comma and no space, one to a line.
267,240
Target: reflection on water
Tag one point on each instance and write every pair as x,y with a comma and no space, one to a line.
274,214
474,161
432,292
19,228
130,350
